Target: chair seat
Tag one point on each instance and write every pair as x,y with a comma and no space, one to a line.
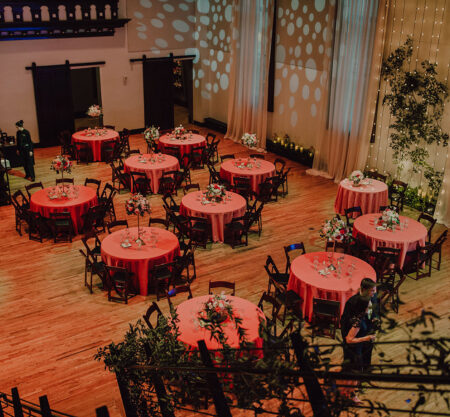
289,298
282,278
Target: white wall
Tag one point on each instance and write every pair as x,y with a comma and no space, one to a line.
122,101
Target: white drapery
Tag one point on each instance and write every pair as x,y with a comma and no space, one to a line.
250,55
357,58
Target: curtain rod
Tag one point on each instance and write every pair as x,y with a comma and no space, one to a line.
162,58
78,64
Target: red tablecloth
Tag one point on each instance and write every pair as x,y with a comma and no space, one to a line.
77,206
369,196
218,214
140,260
309,283
192,140
191,332
94,141
406,240
153,165
260,170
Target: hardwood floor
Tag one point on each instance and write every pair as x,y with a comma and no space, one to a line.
52,326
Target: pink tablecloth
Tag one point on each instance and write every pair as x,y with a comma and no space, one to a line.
77,206
140,260
192,140
260,170
369,196
309,283
218,214
155,169
191,332
406,240
94,141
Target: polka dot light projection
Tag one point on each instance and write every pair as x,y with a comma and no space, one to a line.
302,56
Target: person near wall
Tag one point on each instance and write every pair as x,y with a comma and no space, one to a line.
357,335
25,150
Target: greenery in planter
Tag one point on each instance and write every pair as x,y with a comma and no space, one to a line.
416,102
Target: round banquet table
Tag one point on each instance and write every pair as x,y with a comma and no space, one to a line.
230,169
152,165
94,141
369,196
218,214
191,332
309,283
364,230
140,260
190,141
76,206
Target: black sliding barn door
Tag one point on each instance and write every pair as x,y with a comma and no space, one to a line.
158,92
54,106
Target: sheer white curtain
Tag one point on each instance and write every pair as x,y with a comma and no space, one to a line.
250,54
357,57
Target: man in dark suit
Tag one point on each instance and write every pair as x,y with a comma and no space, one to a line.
25,150
371,319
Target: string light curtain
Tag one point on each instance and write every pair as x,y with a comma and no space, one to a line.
442,212
250,54
357,57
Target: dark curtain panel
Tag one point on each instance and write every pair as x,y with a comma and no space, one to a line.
54,107
187,76
158,92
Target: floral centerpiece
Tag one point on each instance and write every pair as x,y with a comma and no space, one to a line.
389,219
151,134
94,111
356,177
335,230
62,164
215,192
249,139
137,205
179,132
217,310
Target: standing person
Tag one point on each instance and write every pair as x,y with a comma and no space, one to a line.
25,150
355,334
371,319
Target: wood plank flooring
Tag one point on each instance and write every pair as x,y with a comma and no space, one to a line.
51,326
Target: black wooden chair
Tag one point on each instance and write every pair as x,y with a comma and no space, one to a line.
151,311
397,192
64,181
227,156
221,285
295,248
116,224
430,221
120,282
189,187
325,317
93,183
159,278
62,226
351,214
21,206
376,176
199,231
140,183
236,232
83,152
33,186
176,290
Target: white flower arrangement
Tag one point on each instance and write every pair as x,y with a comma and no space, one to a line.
249,139
216,310
335,229
94,111
178,132
356,177
390,219
215,192
151,133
